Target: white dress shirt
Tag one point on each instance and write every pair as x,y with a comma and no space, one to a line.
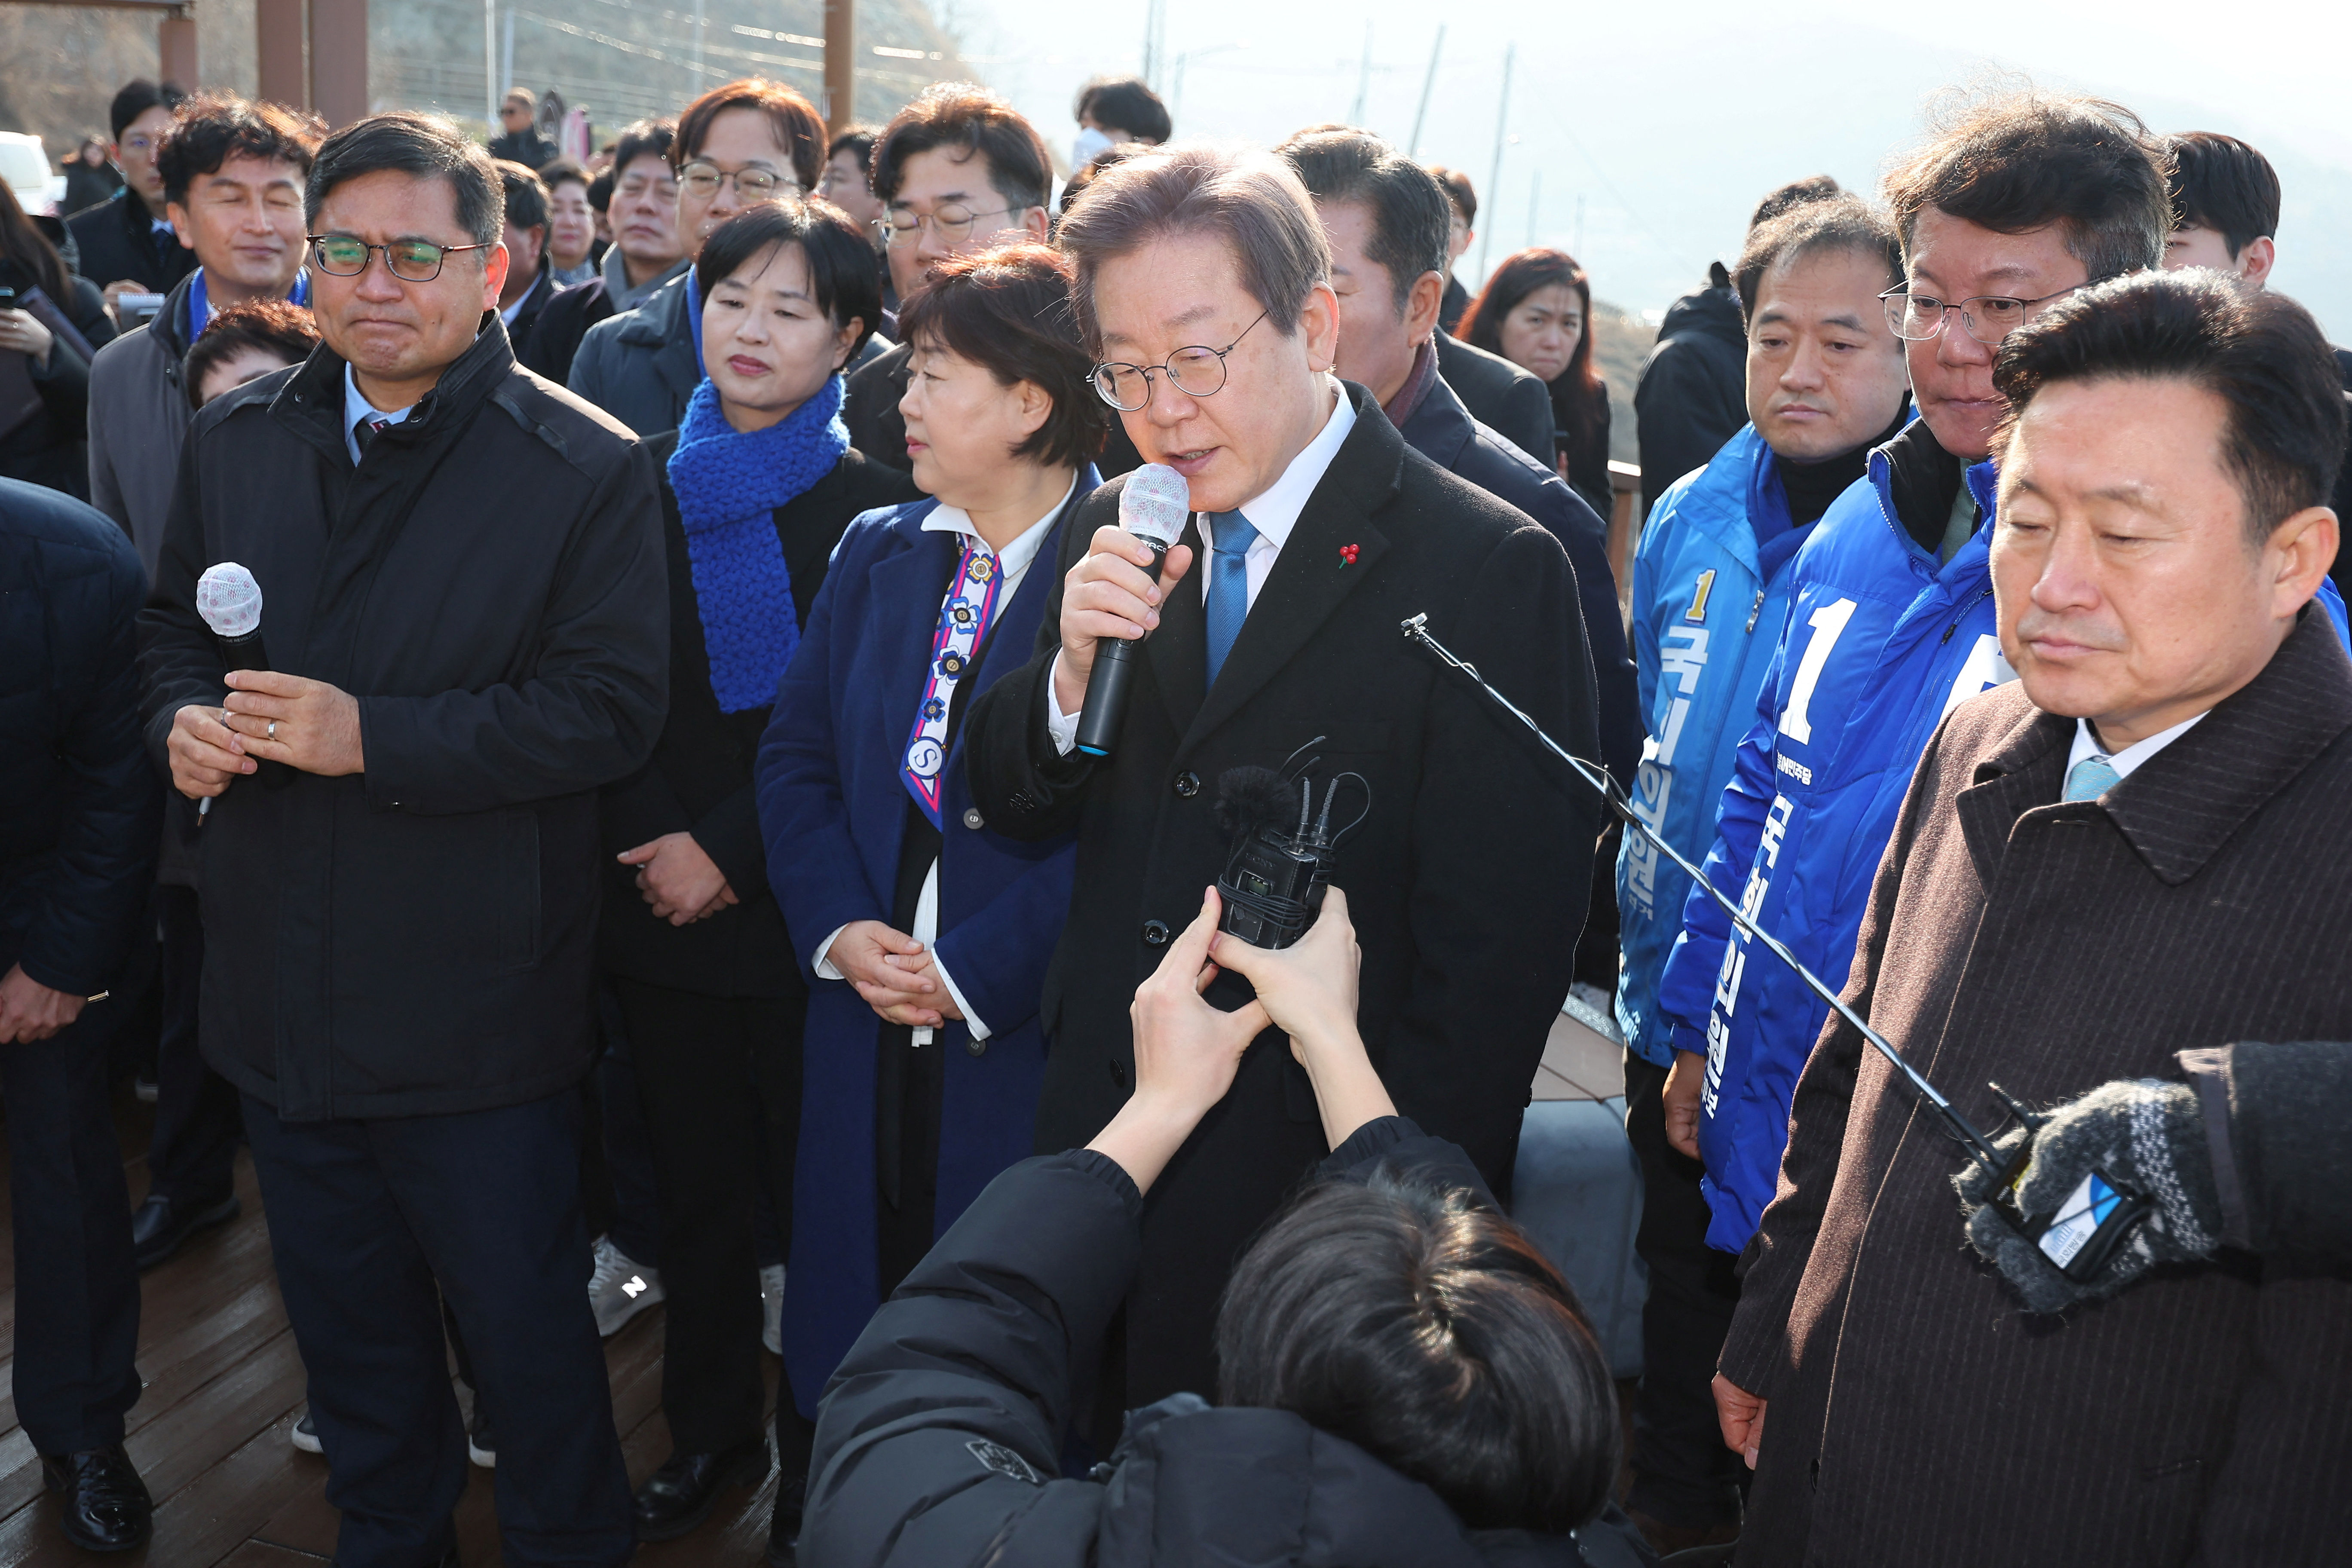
1012,564
1274,513
2087,744
356,408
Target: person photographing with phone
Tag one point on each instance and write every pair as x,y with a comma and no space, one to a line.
1202,286
1357,1421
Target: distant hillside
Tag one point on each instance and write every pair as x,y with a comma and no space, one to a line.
620,58
1620,341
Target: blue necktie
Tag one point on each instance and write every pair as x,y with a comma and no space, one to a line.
1231,538
2091,778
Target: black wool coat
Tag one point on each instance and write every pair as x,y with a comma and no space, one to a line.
699,779
1499,395
2203,1415
1467,882
490,584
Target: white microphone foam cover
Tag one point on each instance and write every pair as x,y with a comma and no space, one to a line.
1155,503
229,600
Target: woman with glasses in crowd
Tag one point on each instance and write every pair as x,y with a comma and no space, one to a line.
1536,311
737,145
51,321
926,933
759,483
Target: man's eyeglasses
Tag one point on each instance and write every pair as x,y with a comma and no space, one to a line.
953,223
1196,371
1987,318
701,181
411,260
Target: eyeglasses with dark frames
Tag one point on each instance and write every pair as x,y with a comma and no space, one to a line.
1987,318
1197,371
410,260
701,181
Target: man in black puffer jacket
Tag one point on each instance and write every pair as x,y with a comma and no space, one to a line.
1358,1428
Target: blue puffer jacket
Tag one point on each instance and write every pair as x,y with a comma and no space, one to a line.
1878,646
1708,604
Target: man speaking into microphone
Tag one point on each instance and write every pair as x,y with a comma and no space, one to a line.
1203,284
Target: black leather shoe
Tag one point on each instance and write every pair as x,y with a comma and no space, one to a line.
679,1497
161,1227
105,1506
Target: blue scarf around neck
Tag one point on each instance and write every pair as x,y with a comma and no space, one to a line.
728,484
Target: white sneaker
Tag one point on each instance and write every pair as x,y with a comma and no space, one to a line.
620,1289
771,1307
305,1436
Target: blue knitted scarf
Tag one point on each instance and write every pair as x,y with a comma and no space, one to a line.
727,484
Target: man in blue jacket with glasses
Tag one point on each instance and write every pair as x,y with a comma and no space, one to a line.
1825,383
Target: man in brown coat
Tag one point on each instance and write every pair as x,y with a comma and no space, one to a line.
2136,849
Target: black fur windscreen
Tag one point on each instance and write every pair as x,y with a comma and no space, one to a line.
1250,798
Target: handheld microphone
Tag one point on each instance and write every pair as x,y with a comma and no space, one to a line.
229,600
1153,507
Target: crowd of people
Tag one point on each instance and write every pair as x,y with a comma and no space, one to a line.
634,721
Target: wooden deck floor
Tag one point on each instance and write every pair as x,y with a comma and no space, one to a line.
224,1386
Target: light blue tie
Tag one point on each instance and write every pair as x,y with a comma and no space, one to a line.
2091,778
1230,536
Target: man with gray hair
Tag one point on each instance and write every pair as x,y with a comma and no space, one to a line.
465,609
1203,283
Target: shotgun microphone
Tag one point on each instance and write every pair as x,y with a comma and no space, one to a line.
1152,507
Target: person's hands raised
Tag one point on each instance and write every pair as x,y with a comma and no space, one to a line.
1186,1054
1308,989
1110,593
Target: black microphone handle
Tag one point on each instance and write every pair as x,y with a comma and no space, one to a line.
1106,708
1104,712
249,653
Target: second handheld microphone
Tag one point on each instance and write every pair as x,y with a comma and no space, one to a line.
1153,507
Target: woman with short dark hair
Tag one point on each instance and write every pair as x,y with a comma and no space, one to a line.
50,321
243,342
924,931
1536,311
759,483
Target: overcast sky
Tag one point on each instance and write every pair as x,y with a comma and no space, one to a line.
1640,135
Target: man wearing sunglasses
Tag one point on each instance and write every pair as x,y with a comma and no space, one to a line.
1203,284
957,170
737,145
464,605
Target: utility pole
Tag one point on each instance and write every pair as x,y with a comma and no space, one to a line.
506,61
1534,200
1495,179
1413,148
1363,80
490,64
840,64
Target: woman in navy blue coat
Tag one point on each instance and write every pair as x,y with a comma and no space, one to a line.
925,934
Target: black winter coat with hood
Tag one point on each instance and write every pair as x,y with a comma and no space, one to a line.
491,585
939,1436
1693,394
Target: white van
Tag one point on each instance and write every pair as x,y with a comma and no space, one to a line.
25,164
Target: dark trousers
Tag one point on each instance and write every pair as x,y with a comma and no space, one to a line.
1682,1475
191,1157
616,1156
721,1080
369,1219
76,1289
